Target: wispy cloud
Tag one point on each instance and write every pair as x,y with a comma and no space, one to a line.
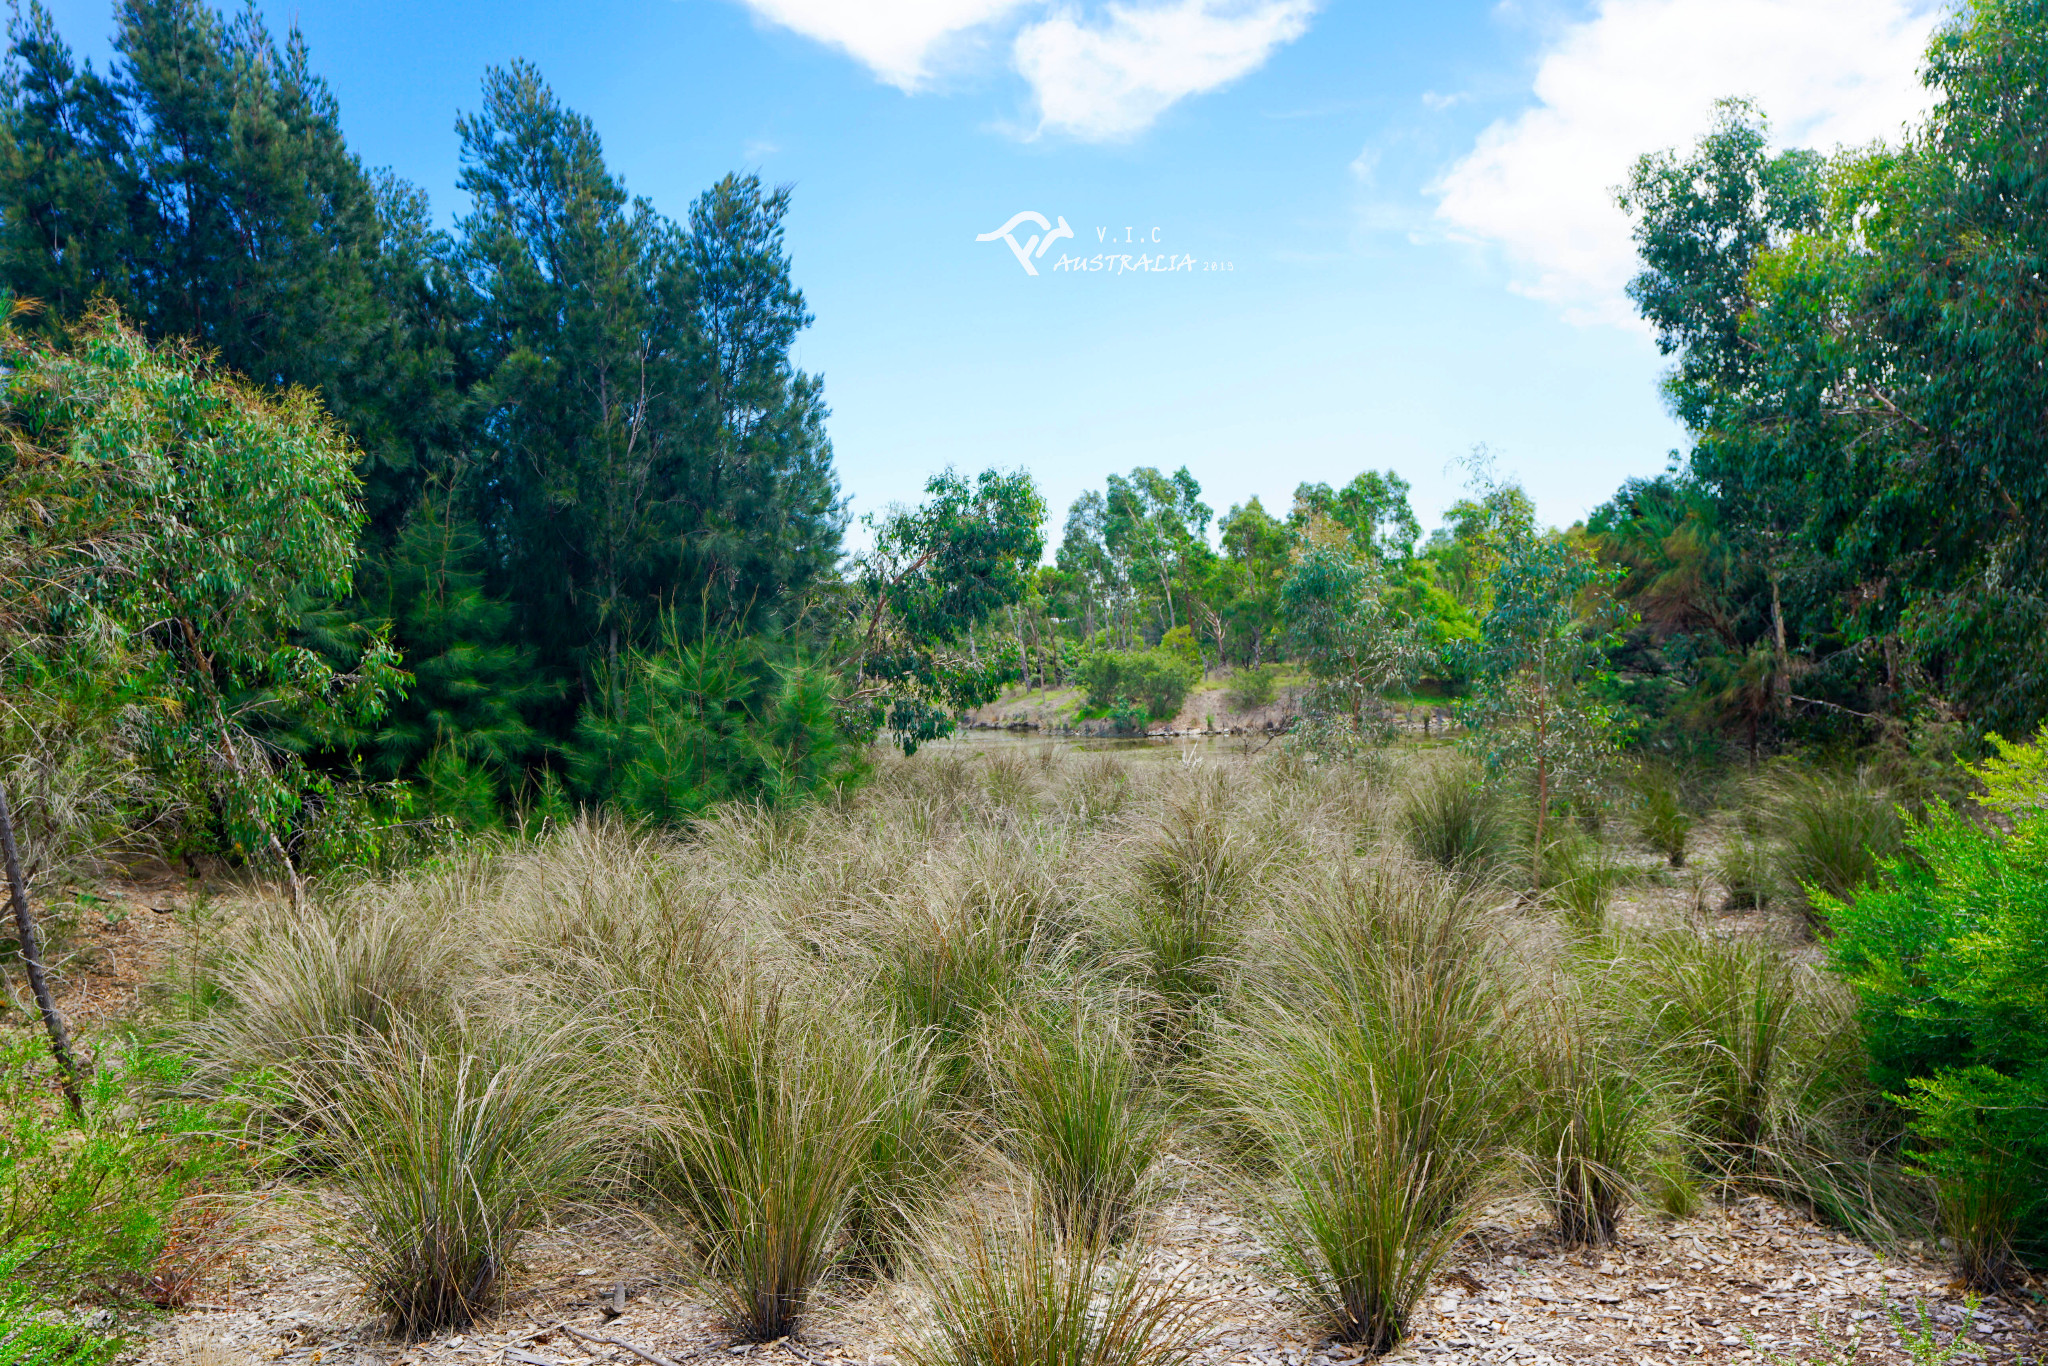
1643,74
896,39
1098,73
1109,78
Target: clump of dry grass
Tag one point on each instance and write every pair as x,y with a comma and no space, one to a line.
1000,1289
1077,1113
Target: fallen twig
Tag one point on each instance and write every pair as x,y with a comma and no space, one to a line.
654,1358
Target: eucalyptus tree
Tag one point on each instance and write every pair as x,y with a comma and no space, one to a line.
181,521
935,572
1532,714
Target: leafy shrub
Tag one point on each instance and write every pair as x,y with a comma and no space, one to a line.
1003,1291
1947,952
1077,1116
98,1200
1833,834
451,1147
1157,680
1252,687
1127,717
31,1336
1454,821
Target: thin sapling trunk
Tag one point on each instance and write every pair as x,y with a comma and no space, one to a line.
71,1071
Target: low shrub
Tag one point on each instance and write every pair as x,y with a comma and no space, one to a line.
104,1198
1157,680
1947,951
1252,687
1002,1290
34,1335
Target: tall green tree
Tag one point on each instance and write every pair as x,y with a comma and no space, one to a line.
934,573
649,442
1533,715
192,518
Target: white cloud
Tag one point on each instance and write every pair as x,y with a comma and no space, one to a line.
896,39
1100,75
1642,75
1110,78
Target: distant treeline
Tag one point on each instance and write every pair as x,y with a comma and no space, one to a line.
593,535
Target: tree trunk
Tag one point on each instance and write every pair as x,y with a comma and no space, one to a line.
72,1072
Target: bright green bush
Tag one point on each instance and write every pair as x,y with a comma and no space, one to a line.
1251,687
97,1199
31,1337
1948,953
1157,680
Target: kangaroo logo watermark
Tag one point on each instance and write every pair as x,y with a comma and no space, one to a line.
1033,246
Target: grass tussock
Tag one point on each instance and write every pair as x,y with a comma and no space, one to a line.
754,1149
1370,1060
451,1145
802,1035
1832,832
1449,818
1077,1114
1001,1289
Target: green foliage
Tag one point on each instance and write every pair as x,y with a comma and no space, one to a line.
1946,952
1355,644
100,1200
1251,687
935,572
32,1336
1156,680
196,518
691,725
1533,716
1853,360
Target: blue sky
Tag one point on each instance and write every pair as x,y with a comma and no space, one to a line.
1399,217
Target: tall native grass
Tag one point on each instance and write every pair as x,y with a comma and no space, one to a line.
1833,833
1595,1120
1449,818
451,1142
1002,1289
1077,1115
754,1144
1369,1063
